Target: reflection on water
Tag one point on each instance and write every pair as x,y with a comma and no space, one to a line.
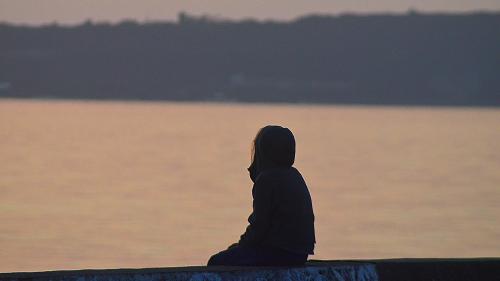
116,184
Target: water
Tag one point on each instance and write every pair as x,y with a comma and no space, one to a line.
130,184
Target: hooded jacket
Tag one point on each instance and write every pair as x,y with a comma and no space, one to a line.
282,214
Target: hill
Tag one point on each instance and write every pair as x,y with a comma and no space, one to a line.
411,59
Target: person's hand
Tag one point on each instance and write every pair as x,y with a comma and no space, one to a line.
232,246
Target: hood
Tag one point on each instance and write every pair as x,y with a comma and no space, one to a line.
274,147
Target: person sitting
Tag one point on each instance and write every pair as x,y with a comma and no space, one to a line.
281,226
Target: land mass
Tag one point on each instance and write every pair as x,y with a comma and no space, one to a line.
408,59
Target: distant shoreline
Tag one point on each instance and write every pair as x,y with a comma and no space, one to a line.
208,17
249,103
412,59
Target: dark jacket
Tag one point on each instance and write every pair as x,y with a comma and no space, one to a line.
282,214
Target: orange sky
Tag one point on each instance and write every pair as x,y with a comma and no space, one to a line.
75,11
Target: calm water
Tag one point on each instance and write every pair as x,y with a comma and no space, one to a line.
115,184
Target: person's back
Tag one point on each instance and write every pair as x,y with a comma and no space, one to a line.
291,217
281,226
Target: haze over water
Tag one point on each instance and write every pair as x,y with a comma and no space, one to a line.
132,184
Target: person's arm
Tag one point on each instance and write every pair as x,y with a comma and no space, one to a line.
260,219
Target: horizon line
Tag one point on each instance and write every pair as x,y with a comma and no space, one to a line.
208,18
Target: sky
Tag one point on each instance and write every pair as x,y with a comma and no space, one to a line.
34,12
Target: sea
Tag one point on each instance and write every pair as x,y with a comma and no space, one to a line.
120,184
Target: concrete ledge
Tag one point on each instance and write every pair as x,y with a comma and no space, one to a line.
437,269
324,272
473,269
337,270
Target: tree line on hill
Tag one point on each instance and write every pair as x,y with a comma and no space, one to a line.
410,59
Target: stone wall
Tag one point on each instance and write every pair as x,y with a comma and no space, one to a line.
337,271
365,270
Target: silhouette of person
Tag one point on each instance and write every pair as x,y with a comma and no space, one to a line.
281,226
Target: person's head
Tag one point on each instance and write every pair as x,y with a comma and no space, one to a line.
273,146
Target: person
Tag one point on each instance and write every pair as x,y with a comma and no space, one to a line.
281,226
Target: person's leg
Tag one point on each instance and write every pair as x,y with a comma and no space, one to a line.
277,257
235,256
257,256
